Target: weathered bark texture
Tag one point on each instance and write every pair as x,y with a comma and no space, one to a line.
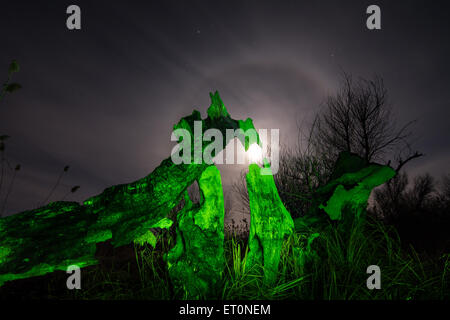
270,222
196,263
60,234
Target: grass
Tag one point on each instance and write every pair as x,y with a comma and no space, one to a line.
338,270
332,266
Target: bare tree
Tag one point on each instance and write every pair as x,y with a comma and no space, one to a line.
359,119
299,174
396,197
444,191
421,192
239,188
391,196
445,186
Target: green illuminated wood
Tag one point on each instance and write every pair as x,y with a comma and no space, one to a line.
59,234
197,261
270,222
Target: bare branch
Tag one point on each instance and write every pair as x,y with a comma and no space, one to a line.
402,162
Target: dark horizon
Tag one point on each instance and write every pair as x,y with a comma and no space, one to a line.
103,100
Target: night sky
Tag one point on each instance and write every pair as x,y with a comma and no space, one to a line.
104,99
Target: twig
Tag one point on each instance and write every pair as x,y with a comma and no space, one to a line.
66,168
401,162
9,189
72,190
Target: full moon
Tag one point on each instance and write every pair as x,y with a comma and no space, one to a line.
254,153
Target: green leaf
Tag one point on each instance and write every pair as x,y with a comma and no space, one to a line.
13,67
13,87
3,137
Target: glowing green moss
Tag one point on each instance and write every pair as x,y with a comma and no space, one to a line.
164,223
43,268
245,126
48,238
196,262
217,109
270,222
345,196
60,234
4,252
149,237
355,199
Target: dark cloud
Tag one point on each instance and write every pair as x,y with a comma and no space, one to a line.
104,99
